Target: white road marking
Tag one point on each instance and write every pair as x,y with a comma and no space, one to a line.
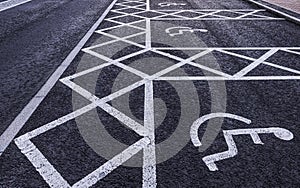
148,34
265,62
167,4
117,62
25,114
112,164
4,5
149,158
42,165
219,19
208,10
292,52
57,122
149,153
181,30
147,144
232,151
148,5
257,62
202,15
120,39
219,78
289,17
226,48
188,61
110,42
248,14
196,125
138,128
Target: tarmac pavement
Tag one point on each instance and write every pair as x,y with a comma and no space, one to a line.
179,93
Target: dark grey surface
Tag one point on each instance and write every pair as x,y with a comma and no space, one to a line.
266,103
238,33
205,4
34,39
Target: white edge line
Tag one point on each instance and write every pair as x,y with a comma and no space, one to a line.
42,165
219,78
149,157
112,164
287,16
12,5
25,114
282,6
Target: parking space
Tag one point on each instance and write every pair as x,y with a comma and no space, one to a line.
171,94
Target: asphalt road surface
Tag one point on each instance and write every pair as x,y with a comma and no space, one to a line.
149,93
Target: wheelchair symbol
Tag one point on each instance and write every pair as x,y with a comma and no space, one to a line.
171,4
232,151
174,31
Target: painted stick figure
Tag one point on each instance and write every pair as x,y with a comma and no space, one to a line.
232,151
166,4
173,31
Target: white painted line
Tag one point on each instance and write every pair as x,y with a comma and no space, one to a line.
210,70
224,48
149,158
57,122
120,39
221,19
207,10
265,62
117,62
182,62
112,41
130,123
202,15
42,165
148,130
232,151
196,125
257,62
289,17
290,51
148,5
124,24
219,78
112,164
131,24
87,71
11,3
148,34
89,96
24,115
195,64
248,14
134,15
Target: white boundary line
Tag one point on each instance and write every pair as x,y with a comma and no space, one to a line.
219,78
147,144
149,157
41,164
24,115
257,62
229,48
206,10
112,164
11,4
289,17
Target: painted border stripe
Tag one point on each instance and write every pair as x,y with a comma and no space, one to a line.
11,4
25,114
287,16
